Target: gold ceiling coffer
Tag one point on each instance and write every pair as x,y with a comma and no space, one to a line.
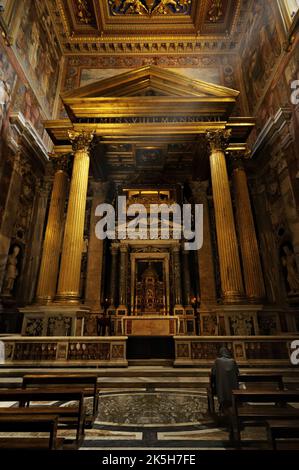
230,266
70,268
46,288
252,269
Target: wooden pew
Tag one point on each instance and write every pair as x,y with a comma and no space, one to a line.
251,379
274,407
23,422
85,383
73,416
282,430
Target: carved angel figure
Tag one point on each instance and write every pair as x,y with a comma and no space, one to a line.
163,7
134,6
184,4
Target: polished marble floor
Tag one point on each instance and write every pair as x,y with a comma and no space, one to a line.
161,419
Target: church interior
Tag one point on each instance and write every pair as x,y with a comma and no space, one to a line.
180,103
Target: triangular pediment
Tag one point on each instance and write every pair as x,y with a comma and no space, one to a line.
150,81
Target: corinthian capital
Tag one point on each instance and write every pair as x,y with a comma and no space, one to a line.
60,162
218,140
80,140
238,156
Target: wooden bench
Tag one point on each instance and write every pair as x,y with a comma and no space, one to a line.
260,407
73,416
85,383
282,430
25,423
251,379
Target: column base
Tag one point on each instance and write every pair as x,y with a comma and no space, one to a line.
44,300
54,320
255,300
67,299
234,298
238,320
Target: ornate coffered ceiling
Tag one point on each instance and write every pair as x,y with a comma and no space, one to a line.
153,26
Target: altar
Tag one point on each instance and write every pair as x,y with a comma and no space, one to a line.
150,325
157,325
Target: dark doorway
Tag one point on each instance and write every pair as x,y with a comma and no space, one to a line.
150,347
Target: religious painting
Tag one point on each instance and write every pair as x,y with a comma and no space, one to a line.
289,269
241,324
261,50
268,323
89,76
84,12
38,52
28,105
239,351
119,148
209,324
149,156
209,74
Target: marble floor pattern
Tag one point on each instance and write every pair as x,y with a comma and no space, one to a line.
158,419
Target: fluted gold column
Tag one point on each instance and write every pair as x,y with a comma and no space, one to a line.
177,276
186,278
93,288
113,275
123,276
253,276
48,273
230,268
205,254
69,277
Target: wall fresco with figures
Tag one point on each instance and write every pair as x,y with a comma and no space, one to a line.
8,79
37,50
17,95
261,51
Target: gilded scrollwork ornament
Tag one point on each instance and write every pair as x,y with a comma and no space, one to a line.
150,7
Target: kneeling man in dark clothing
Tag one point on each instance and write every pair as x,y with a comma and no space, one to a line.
225,374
